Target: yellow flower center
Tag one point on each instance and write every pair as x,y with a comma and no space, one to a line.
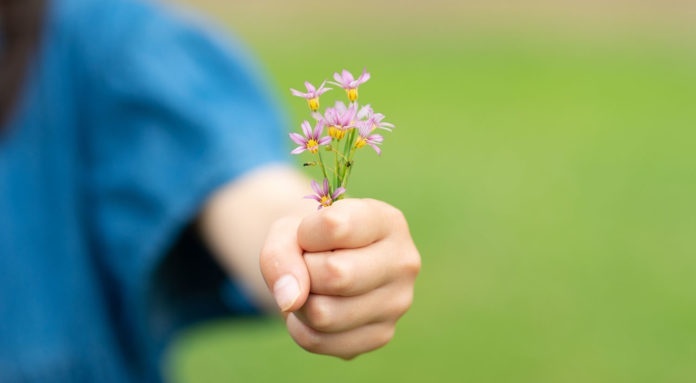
313,103
360,142
336,133
325,201
352,94
313,146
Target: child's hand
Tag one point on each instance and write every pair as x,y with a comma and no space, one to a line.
342,276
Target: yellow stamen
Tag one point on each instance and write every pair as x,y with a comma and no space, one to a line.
352,94
336,133
313,103
325,201
312,146
360,142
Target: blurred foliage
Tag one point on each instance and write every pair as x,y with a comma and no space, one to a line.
547,169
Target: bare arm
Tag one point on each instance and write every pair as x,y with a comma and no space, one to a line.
341,276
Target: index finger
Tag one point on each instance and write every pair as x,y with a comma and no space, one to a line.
348,224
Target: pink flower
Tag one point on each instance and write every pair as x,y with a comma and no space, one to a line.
312,95
368,116
311,140
366,138
323,195
339,119
346,81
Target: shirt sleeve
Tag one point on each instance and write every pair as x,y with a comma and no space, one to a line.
173,112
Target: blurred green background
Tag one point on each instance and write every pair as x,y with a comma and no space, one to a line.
544,155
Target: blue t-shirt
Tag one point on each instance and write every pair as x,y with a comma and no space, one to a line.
131,117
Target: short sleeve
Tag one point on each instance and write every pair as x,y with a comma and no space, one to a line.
173,112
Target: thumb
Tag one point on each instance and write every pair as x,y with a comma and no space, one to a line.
283,266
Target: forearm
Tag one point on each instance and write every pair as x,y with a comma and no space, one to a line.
236,219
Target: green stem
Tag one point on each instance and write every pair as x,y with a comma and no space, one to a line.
321,163
348,168
336,165
347,156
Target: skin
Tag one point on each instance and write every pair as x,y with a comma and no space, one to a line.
341,276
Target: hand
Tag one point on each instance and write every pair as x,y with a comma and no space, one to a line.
342,276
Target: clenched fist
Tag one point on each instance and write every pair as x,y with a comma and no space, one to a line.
342,276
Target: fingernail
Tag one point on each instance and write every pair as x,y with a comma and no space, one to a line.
285,291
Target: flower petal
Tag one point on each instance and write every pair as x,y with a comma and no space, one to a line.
322,89
364,76
365,112
324,140
386,126
315,187
326,187
298,139
306,128
314,197
297,93
347,76
310,87
340,190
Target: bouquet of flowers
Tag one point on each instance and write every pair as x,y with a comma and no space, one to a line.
350,127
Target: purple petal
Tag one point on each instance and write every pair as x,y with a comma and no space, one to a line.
310,87
340,190
315,187
326,187
298,139
318,129
365,112
386,126
298,150
329,116
322,89
376,148
365,128
347,76
306,128
340,107
324,140
297,93
364,76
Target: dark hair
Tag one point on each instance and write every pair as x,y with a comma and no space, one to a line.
20,30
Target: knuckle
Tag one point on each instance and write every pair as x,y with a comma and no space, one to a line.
319,314
308,339
384,336
392,213
396,215
402,303
339,275
270,250
336,224
411,263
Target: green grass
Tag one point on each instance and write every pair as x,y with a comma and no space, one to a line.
549,182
